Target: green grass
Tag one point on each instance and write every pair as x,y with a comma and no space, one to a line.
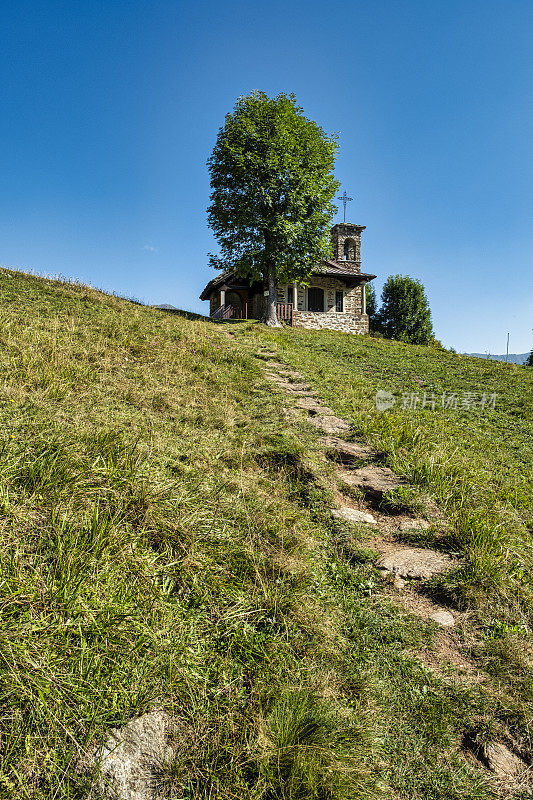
166,542
476,463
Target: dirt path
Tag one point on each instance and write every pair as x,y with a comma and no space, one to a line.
360,482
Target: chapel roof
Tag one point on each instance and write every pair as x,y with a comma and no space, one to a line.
341,269
332,269
214,283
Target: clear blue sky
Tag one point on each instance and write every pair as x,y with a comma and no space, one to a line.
109,111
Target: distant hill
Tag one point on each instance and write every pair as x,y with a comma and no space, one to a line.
513,358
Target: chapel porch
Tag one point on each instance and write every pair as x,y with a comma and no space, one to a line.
250,310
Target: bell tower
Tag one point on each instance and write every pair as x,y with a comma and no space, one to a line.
346,243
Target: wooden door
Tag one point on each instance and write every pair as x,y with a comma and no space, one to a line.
315,299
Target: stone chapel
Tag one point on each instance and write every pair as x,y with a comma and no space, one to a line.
334,297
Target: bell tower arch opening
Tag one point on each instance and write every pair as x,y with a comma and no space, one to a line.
346,244
349,249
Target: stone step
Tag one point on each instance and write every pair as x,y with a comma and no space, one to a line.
443,618
329,423
374,481
309,404
502,761
353,515
131,758
415,563
293,376
283,370
347,452
314,406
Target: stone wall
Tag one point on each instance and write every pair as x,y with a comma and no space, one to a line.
334,321
352,297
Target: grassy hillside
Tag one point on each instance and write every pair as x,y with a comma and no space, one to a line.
166,542
460,430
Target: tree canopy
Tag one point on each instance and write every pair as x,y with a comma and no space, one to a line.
272,192
404,312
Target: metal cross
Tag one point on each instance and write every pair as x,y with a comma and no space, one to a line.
345,199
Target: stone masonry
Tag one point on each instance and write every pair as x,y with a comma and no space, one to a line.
346,243
352,297
350,320
333,321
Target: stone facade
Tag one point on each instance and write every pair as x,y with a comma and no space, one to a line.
332,321
350,320
352,297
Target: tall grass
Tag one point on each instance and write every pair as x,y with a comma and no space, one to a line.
165,541
145,557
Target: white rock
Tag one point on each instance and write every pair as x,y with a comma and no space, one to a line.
443,618
353,515
131,758
502,761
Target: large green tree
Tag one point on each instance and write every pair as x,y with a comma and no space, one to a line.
404,312
272,192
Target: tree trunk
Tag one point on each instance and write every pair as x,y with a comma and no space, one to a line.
270,316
